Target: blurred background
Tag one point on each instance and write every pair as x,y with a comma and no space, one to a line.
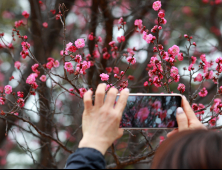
21,146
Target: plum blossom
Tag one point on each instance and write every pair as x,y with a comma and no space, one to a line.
78,58
131,60
68,66
203,92
157,5
161,14
174,50
199,78
174,71
143,114
43,78
146,84
20,94
209,75
2,101
45,25
56,64
31,79
104,77
120,21
147,38
82,92
116,70
8,89
17,65
138,23
80,43
180,56
21,102
25,14
181,88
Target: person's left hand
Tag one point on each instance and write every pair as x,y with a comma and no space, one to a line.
101,122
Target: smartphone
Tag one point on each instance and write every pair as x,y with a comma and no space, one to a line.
151,111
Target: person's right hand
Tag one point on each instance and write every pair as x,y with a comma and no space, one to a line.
186,119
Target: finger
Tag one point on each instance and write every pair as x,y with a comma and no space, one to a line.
111,97
87,99
182,120
100,94
175,131
120,133
121,103
188,110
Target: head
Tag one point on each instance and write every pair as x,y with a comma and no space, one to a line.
199,149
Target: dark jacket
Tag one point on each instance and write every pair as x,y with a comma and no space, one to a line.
86,158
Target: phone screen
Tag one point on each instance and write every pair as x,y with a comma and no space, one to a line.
150,112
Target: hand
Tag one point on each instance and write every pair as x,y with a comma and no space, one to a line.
186,119
101,122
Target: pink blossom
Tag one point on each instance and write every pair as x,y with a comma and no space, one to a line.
131,52
203,58
161,14
131,60
17,65
96,54
71,90
20,94
68,45
157,5
104,77
114,54
219,60
199,78
43,78
61,53
100,39
147,38
68,66
82,92
20,102
56,64
49,65
45,24
8,89
177,78
16,114
138,23
193,59
156,105
180,56
116,70
112,43
80,43
174,71
31,79
78,58
203,92
25,46
25,14
174,50
2,101
91,37
190,67
181,88
157,82
209,75
143,114
35,67
146,84
120,21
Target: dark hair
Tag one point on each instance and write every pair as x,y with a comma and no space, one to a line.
199,149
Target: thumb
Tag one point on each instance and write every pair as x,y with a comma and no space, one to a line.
182,120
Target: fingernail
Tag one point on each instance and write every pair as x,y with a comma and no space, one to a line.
126,89
180,111
185,97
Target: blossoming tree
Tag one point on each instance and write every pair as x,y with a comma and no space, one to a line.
42,93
